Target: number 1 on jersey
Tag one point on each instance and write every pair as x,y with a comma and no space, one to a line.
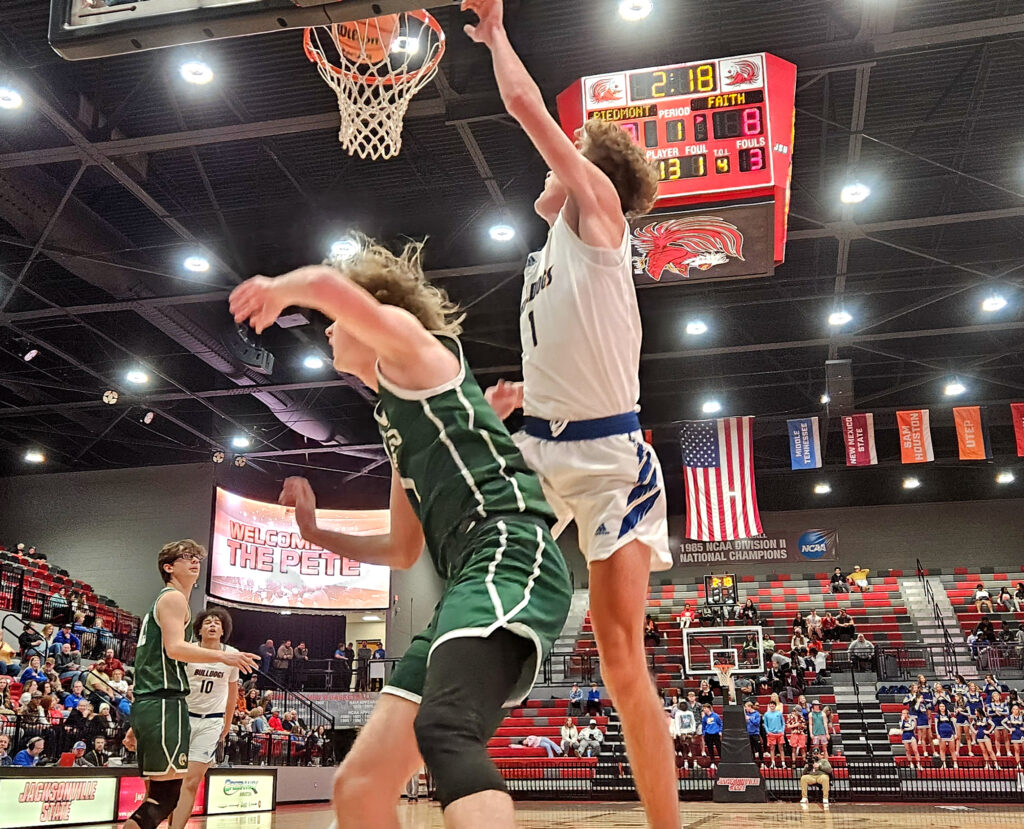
533,327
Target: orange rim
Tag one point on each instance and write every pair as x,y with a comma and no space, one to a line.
317,56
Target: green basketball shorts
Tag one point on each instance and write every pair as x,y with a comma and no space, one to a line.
513,577
161,729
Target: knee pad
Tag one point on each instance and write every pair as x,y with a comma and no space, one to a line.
451,745
157,807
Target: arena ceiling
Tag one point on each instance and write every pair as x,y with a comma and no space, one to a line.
114,170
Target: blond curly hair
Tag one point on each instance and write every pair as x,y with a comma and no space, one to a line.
609,147
399,281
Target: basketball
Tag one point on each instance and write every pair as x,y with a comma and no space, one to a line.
367,41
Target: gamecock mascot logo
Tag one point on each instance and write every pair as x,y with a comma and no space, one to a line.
605,91
743,72
679,245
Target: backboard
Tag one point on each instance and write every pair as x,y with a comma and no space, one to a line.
706,647
100,28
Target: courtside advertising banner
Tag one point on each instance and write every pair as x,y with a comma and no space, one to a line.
258,557
240,793
132,792
56,801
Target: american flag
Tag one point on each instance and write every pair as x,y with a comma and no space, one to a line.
718,465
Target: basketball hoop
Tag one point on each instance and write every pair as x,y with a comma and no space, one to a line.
725,678
376,67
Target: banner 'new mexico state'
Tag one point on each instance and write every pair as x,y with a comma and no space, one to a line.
788,547
258,557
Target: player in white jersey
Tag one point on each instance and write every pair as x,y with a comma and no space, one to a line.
581,333
212,696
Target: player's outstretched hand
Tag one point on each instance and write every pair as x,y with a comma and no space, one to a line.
245,662
258,301
490,13
505,397
299,494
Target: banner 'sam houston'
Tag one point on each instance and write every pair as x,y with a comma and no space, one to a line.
257,556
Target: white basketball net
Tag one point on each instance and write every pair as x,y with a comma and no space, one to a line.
374,94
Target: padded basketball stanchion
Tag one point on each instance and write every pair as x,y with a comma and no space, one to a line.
739,778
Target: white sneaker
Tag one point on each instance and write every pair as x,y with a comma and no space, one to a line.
824,803
804,802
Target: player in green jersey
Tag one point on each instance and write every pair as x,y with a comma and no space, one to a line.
460,487
159,730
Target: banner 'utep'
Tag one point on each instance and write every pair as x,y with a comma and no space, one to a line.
972,433
859,436
804,443
915,436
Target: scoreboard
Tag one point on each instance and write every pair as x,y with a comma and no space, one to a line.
717,130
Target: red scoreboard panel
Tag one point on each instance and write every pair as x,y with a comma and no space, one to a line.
718,130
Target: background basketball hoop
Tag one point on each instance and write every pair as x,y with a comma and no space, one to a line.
375,67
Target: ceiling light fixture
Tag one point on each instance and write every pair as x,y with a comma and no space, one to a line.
1005,478
197,72
137,376
110,397
711,406
406,45
30,355
633,10
34,456
825,399
241,442
911,483
218,456
854,193
993,303
147,418
839,318
503,233
10,98
345,248
313,361
696,327
822,489
372,617
954,387
240,461
197,264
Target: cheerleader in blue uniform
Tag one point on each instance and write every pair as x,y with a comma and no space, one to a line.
945,732
983,728
962,717
998,711
1015,722
908,731
922,710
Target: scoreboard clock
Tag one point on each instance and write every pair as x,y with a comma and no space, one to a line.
718,131
720,590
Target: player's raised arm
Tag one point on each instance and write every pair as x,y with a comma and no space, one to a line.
171,614
400,548
594,193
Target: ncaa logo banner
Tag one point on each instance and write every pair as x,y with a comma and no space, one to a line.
804,443
783,547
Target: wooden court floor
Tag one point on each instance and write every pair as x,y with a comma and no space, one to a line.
615,815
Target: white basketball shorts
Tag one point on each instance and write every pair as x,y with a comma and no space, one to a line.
202,745
612,486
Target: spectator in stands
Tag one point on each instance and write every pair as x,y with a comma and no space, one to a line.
259,722
837,584
705,696
111,663
820,660
10,665
846,628
33,671
750,614
798,642
862,653
379,652
753,718
1005,598
5,758
799,623
828,628
363,656
651,635
591,738
817,772
684,730
343,666
570,737
98,756
31,642
65,636
711,727
686,617
34,554
65,663
859,577
982,597
77,694
266,653
50,672
814,628
751,649
775,733
594,701
575,700
252,699
769,646
58,606
102,723
818,727
274,721
1018,597
29,756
